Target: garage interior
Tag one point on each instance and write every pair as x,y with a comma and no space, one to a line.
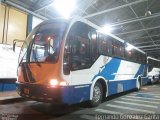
135,21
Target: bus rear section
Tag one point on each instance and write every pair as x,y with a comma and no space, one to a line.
153,69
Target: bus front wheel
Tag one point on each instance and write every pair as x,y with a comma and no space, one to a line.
139,84
97,95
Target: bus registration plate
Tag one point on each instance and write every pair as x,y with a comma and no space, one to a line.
26,91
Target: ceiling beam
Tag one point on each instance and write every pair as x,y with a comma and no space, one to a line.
145,37
46,6
155,52
151,49
142,25
147,46
115,8
136,19
141,30
146,42
86,5
24,9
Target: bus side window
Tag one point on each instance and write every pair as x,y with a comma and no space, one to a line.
105,45
131,55
94,50
80,53
75,61
118,49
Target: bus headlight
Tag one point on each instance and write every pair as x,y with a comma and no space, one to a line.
63,83
53,82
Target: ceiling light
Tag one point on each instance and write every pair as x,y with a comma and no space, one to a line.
64,7
148,13
106,29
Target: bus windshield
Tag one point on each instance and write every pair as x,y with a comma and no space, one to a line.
42,44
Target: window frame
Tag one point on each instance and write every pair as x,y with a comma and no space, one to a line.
114,41
108,41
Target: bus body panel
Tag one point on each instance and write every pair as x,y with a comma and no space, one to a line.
38,74
120,75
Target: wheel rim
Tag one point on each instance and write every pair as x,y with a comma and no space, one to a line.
138,85
96,94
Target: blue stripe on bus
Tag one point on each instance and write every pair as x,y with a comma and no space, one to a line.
140,71
75,95
70,95
108,69
145,80
127,85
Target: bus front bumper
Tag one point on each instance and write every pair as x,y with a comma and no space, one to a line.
39,93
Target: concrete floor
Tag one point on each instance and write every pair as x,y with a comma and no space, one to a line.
145,102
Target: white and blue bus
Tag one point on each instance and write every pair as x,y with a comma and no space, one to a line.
153,69
70,62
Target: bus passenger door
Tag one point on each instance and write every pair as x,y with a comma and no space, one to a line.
80,60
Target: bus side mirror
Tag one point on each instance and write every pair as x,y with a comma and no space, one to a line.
14,43
14,46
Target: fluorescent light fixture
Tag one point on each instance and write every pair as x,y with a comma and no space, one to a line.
106,29
64,7
129,47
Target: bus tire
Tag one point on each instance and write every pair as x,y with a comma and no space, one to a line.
152,80
138,84
97,95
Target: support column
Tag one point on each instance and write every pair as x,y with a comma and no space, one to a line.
29,23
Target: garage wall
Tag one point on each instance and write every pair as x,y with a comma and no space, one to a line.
17,25
2,16
13,24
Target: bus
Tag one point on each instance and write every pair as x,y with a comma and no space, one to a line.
71,61
153,69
